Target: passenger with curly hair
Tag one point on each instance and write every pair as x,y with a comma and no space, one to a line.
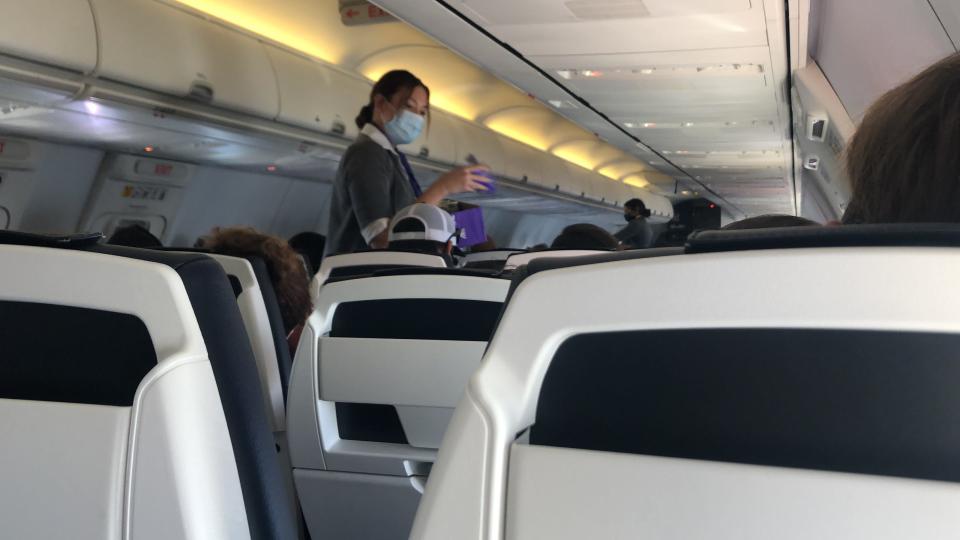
287,274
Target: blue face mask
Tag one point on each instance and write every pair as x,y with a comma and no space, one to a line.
404,128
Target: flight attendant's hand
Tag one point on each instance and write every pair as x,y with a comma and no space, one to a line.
459,180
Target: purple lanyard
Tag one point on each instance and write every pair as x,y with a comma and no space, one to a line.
413,179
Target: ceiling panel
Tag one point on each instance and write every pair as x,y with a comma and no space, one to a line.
700,82
948,11
555,11
866,51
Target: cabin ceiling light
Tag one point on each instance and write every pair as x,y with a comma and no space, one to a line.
91,106
646,72
562,104
571,74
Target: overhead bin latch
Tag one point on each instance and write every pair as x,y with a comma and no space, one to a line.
202,91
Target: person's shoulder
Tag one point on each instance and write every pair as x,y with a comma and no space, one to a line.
366,150
364,145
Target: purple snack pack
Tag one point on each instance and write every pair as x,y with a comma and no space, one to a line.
470,222
491,182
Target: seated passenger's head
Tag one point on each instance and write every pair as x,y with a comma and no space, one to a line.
770,221
424,228
310,246
585,236
635,208
904,160
287,274
134,236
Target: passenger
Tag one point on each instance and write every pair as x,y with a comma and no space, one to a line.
424,228
375,180
134,236
310,246
585,236
637,234
770,221
287,274
904,160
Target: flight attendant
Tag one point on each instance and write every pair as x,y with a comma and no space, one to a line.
375,180
637,234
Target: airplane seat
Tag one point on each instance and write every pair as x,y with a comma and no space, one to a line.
488,260
368,262
275,320
238,380
517,260
126,358
257,319
381,365
803,390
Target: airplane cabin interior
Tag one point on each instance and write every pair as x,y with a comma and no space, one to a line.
775,381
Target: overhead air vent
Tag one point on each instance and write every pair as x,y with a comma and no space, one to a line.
593,10
817,128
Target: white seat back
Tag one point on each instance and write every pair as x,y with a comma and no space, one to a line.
494,255
792,393
519,259
110,413
257,324
381,259
382,363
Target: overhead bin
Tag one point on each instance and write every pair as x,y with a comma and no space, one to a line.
580,181
481,143
438,142
316,96
661,209
56,32
554,175
161,48
522,162
616,193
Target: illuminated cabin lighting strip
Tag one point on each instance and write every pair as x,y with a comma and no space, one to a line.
239,17
636,180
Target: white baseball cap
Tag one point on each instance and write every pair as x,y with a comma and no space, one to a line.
434,224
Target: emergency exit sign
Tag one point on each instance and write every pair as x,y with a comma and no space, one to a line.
353,13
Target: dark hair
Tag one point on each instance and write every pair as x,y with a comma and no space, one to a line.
136,236
388,86
903,162
585,236
770,221
310,246
637,206
287,274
